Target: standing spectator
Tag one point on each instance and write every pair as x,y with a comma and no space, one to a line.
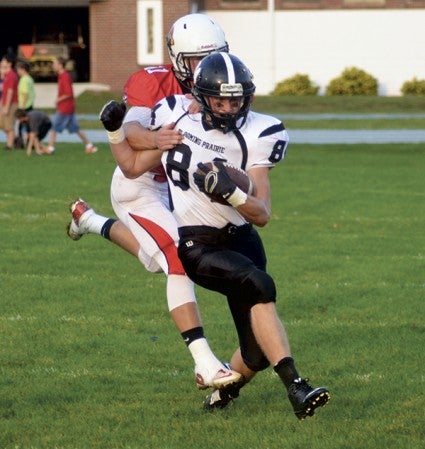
9,100
1,83
38,124
65,117
26,97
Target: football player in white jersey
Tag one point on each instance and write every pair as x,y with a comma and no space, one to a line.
146,227
219,247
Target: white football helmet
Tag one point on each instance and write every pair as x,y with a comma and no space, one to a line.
193,36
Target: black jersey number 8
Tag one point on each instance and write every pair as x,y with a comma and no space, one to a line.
278,152
178,161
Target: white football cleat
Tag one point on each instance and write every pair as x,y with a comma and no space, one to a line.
80,211
219,379
90,148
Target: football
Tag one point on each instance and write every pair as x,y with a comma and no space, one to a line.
237,175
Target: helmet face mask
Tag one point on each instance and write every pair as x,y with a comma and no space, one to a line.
186,63
193,36
224,76
225,121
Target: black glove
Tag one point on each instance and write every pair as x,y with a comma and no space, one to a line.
216,183
112,115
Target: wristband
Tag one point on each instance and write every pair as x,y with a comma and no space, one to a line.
237,198
117,136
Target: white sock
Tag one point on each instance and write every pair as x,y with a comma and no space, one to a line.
203,357
93,223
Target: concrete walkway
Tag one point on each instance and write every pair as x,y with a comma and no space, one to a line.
341,136
305,136
46,93
327,136
312,136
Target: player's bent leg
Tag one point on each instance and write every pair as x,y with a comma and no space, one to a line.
209,370
86,221
155,228
221,398
180,291
269,332
237,363
122,236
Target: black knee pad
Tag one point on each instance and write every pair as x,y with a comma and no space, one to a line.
256,363
258,287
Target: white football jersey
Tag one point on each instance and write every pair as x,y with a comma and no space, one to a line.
261,141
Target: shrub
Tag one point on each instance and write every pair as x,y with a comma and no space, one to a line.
353,81
299,85
413,87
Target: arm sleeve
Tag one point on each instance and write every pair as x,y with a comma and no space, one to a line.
270,146
139,114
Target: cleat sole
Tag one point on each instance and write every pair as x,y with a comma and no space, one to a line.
320,400
232,378
71,234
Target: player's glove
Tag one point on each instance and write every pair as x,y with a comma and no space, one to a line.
112,115
218,183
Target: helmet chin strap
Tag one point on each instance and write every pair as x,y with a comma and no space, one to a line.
222,124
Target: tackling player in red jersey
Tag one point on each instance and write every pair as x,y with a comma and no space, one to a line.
146,227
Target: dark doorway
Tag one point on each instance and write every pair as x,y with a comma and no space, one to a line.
59,26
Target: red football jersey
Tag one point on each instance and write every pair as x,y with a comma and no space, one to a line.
147,86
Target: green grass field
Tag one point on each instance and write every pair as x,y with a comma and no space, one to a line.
89,357
91,102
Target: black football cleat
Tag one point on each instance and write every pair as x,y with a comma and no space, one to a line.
220,399
305,399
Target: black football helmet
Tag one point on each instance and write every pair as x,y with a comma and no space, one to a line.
223,75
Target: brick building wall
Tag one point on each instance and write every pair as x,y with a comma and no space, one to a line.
113,38
112,41
273,54
262,5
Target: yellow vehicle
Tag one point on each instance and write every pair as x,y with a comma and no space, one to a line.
40,54
40,57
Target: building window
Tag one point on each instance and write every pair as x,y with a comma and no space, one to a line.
232,5
149,32
300,4
363,3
